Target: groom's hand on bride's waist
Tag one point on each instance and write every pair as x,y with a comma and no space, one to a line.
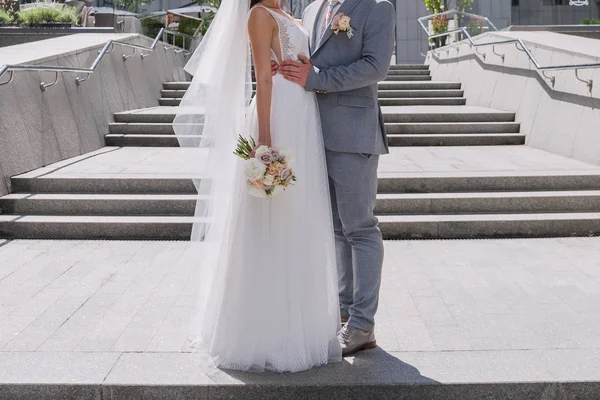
295,71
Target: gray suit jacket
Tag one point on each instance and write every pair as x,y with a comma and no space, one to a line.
349,70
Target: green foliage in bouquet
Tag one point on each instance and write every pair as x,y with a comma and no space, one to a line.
245,147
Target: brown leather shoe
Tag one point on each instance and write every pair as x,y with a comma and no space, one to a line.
354,340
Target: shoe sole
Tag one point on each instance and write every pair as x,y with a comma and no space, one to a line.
368,346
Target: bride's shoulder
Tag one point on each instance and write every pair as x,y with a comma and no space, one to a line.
259,12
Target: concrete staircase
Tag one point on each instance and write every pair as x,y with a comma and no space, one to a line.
419,114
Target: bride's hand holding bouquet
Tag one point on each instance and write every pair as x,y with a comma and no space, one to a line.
268,171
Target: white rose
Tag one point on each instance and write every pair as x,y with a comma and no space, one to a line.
269,180
344,23
262,150
256,192
255,169
278,189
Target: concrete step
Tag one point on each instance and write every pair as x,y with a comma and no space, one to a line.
95,227
175,87
144,140
160,122
470,139
408,78
442,101
488,203
172,94
169,102
152,115
383,94
413,72
452,127
444,114
489,226
156,184
484,139
411,94
98,204
434,85
501,181
392,203
505,181
147,128
392,226
401,67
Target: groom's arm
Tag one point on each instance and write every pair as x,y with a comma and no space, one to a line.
372,67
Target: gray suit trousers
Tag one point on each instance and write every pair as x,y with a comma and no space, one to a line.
359,244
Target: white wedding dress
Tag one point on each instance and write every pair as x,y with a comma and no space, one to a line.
273,302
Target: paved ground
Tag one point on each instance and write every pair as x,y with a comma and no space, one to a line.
180,163
451,312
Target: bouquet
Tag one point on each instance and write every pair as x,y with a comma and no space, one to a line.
269,172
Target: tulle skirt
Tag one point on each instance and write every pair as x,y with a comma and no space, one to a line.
273,302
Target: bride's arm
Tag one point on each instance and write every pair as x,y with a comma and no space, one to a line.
261,28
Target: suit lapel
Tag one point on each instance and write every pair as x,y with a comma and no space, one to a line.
316,30
346,8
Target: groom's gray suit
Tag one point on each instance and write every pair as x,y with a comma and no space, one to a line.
345,80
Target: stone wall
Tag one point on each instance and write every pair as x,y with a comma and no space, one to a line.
563,119
39,128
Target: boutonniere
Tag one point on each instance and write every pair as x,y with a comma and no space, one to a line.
341,23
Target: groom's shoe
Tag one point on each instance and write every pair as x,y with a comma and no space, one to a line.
354,340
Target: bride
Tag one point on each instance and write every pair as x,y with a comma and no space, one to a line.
268,297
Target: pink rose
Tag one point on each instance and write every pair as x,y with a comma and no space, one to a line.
285,176
335,24
265,155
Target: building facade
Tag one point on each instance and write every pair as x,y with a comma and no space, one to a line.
411,41
553,12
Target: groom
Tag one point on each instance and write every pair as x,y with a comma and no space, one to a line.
351,49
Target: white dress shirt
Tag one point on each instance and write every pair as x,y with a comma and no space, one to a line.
323,16
322,20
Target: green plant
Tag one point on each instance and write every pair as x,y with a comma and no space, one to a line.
435,6
188,26
5,18
464,5
440,24
476,26
134,6
588,21
208,16
49,13
151,27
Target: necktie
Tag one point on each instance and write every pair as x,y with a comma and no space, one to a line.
330,7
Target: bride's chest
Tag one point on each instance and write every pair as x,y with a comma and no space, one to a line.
292,36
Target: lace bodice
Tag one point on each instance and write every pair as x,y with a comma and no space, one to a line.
294,39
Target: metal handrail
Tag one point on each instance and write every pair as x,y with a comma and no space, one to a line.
108,47
517,43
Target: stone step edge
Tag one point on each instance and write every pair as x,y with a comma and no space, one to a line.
417,388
